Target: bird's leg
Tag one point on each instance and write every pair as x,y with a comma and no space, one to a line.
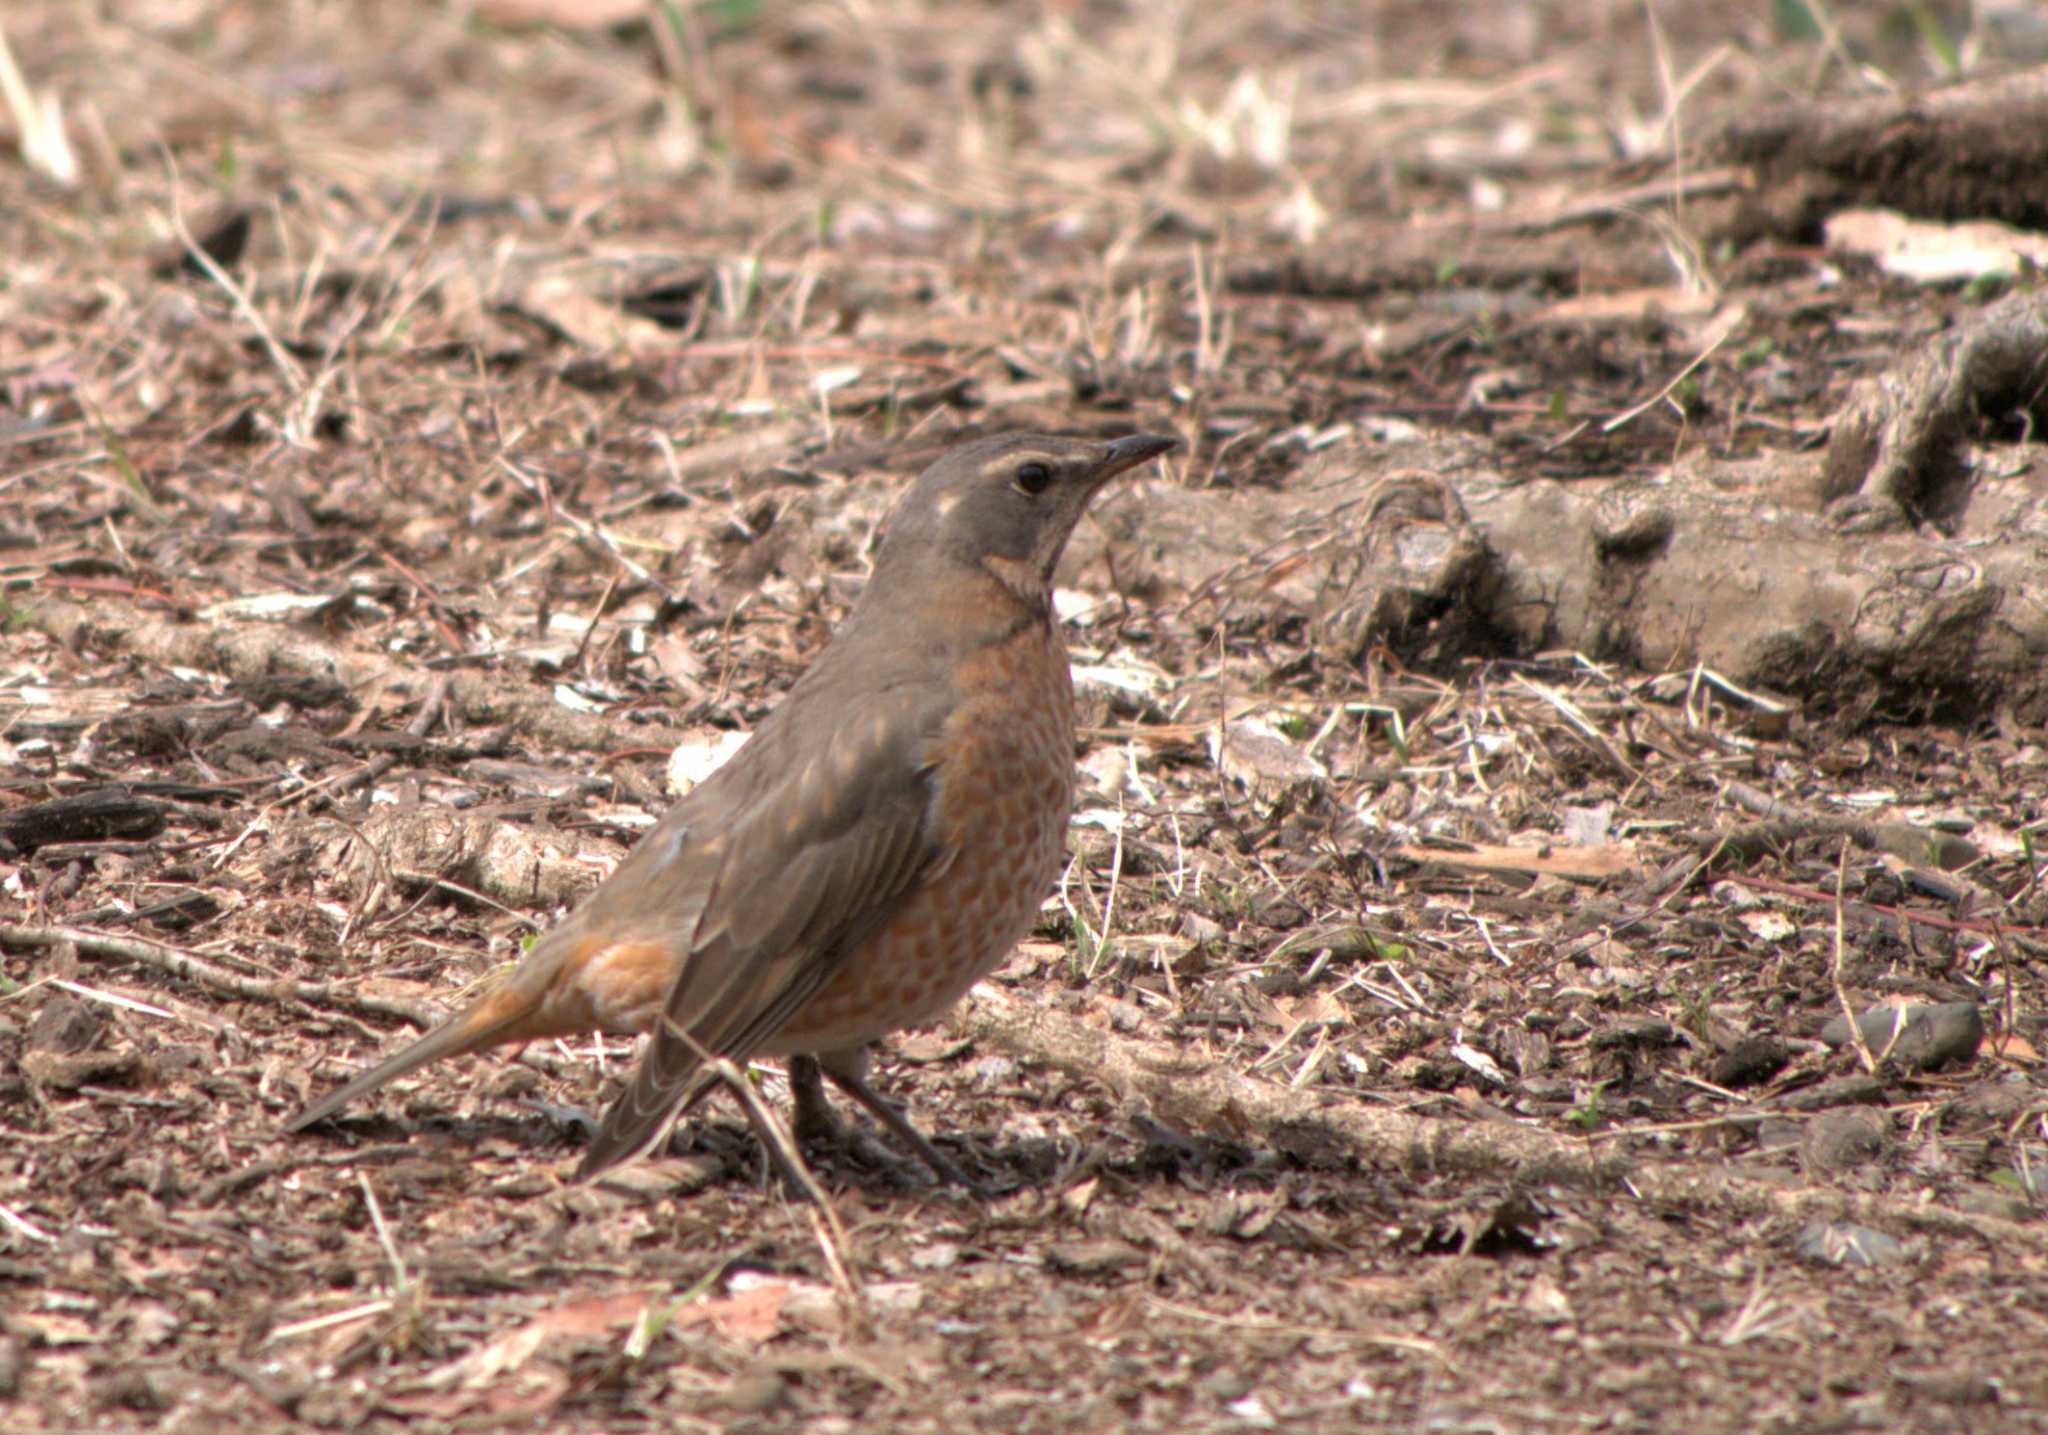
848,1070
815,1124
813,1119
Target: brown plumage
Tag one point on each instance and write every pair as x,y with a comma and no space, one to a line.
875,849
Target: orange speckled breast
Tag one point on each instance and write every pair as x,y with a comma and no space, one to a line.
1005,790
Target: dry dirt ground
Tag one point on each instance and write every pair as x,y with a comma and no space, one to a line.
417,424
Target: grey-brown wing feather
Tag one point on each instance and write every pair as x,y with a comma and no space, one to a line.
810,860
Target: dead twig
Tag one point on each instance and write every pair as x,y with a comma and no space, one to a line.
825,1225
190,967
256,1172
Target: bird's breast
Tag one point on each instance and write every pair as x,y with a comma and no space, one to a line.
1003,768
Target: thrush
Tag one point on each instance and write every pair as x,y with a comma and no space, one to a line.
878,845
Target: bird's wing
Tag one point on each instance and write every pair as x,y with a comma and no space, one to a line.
811,853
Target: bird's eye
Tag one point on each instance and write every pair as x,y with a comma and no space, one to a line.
1034,478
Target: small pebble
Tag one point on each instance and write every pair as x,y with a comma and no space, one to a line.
1843,1140
1918,1038
1750,1062
1844,1244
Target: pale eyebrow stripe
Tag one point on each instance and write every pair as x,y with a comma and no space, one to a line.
1010,460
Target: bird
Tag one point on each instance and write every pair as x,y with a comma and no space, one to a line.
879,843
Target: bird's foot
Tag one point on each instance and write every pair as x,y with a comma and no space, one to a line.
817,1127
848,1072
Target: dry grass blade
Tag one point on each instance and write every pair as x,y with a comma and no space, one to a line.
1863,1052
825,1224
408,1301
38,121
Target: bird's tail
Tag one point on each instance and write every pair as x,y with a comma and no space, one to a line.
668,1082
500,1017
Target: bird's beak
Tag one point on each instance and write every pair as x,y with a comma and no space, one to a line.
1126,453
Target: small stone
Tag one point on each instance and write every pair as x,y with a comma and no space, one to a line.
1587,826
1843,1140
328,1407
134,1389
1960,1388
1989,1200
1253,753
1252,1411
1750,1062
1994,1101
938,1256
1774,1133
516,1083
756,1392
1278,981
1093,1258
60,1072
1546,1301
1734,897
698,756
1227,1385
1918,1038
1845,1244
64,1026
1647,1034
990,1072
1281,913
656,1180
1847,1091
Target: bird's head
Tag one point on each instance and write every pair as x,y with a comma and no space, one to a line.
1008,505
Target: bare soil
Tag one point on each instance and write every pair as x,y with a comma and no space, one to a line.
418,422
